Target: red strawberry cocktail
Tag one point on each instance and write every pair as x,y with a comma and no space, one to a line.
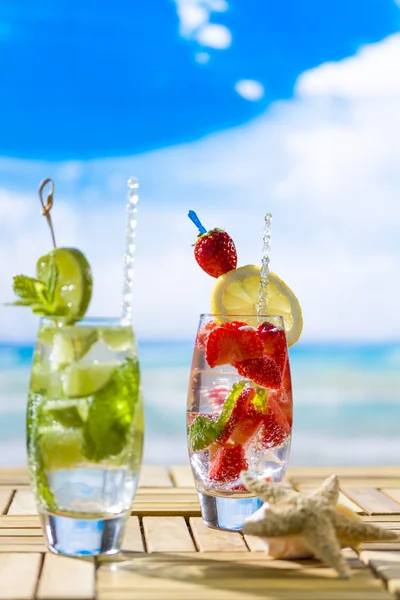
239,406
240,392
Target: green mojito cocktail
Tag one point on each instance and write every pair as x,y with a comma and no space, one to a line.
85,410
85,430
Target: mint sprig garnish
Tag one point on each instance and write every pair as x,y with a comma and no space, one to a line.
205,430
38,294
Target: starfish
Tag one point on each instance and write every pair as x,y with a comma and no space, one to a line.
315,518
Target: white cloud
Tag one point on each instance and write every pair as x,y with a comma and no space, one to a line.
214,36
324,163
250,89
372,74
191,17
194,23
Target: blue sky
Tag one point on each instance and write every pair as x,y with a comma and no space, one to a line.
229,108
83,79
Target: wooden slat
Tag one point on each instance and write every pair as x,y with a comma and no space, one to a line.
161,497
394,525
393,493
18,575
360,482
14,476
373,472
154,476
14,521
20,531
27,540
167,534
132,540
386,565
388,546
166,493
23,503
378,558
343,499
18,548
372,500
380,518
159,509
231,576
65,578
255,543
210,540
5,499
182,476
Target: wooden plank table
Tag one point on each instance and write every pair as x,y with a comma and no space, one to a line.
169,554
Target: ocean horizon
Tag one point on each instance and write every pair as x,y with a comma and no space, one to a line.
346,402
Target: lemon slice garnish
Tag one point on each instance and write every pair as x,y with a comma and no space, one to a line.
236,293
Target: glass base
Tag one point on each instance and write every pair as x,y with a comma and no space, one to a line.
83,537
227,512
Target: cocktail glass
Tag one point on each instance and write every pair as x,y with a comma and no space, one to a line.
84,432
239,412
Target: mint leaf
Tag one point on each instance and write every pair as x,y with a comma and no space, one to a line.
34,293
29,288
111,413
230,402
203,431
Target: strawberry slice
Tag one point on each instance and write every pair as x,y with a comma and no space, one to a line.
217,396
276,428
226,464
274,343
263,371
202,334
227,345
244,421
286,402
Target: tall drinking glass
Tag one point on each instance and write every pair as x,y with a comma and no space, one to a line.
239,412
84,432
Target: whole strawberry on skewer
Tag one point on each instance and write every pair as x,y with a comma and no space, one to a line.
214,250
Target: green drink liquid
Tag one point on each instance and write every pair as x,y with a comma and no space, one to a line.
85,419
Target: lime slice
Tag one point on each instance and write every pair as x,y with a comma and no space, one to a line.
80,380
73,289
118,339
68,413
40,376
70,344
60,448
236,293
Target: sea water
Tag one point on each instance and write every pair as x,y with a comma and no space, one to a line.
346,400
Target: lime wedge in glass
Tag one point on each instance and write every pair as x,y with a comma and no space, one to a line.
60,448
71,344
73,289
68,413
80,380
118,339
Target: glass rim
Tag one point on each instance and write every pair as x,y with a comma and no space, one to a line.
246,316
92,321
